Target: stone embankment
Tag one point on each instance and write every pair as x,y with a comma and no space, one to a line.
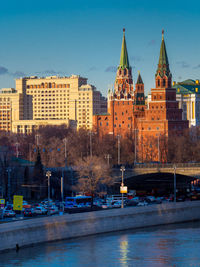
34,231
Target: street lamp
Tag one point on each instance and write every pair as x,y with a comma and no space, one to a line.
122,169
65,142
62,193
48,174
108,157
118,142
174,183
9,183
159,148
135,161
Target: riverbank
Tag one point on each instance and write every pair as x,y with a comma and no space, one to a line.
34,231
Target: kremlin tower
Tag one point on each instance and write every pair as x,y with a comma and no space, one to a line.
124,104
163,116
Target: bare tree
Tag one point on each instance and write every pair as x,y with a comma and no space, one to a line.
94,176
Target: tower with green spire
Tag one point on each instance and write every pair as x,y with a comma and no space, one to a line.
139,103
124,62
163,75
123,86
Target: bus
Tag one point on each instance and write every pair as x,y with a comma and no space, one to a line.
78,202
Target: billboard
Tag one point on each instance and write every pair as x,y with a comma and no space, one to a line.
17,202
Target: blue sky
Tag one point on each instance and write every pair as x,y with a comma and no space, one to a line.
84,37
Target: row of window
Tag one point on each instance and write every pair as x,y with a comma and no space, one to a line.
48,85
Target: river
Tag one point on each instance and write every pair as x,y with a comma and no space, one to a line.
172,245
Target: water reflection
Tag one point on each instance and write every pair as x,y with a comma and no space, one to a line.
124,250
176,245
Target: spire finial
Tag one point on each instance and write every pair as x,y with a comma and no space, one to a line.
162,34
123,30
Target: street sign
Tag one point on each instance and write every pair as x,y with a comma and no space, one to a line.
123,189
17,202
2,201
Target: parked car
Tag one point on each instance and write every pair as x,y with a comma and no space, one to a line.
40,210
9,213
131,203
142,203
29,212
53,210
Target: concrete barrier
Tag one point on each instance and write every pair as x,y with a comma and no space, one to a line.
39,230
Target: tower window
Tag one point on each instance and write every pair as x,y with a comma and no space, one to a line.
164,82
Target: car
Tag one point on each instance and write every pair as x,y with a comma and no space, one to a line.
9,213
117,204
29,212
40,210
142,203
53,210
131,203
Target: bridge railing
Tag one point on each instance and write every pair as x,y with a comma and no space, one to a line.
159,165
166,165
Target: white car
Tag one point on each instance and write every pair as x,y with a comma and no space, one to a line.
53,210
142,203
40,211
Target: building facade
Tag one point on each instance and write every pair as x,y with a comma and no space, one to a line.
49,101
188,97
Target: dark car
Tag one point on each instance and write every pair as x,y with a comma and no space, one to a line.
29,213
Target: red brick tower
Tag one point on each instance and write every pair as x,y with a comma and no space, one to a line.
163,115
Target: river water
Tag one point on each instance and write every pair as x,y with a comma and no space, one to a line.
173,245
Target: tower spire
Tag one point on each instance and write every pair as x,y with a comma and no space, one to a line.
139,79
163,63
124,62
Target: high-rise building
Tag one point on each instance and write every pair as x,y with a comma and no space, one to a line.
11,108
49,101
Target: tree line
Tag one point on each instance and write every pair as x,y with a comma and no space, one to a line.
60,145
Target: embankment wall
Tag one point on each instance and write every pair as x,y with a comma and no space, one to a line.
39,230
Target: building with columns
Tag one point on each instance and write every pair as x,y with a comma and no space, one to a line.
188,97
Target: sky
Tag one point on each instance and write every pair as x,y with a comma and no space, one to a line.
84,37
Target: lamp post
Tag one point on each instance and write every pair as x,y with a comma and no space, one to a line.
9,183
174,183
118,142
108,157
65,142
159,148
62,192
122,169
90,134
48,174
135,146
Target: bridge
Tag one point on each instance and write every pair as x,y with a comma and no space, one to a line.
186,169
